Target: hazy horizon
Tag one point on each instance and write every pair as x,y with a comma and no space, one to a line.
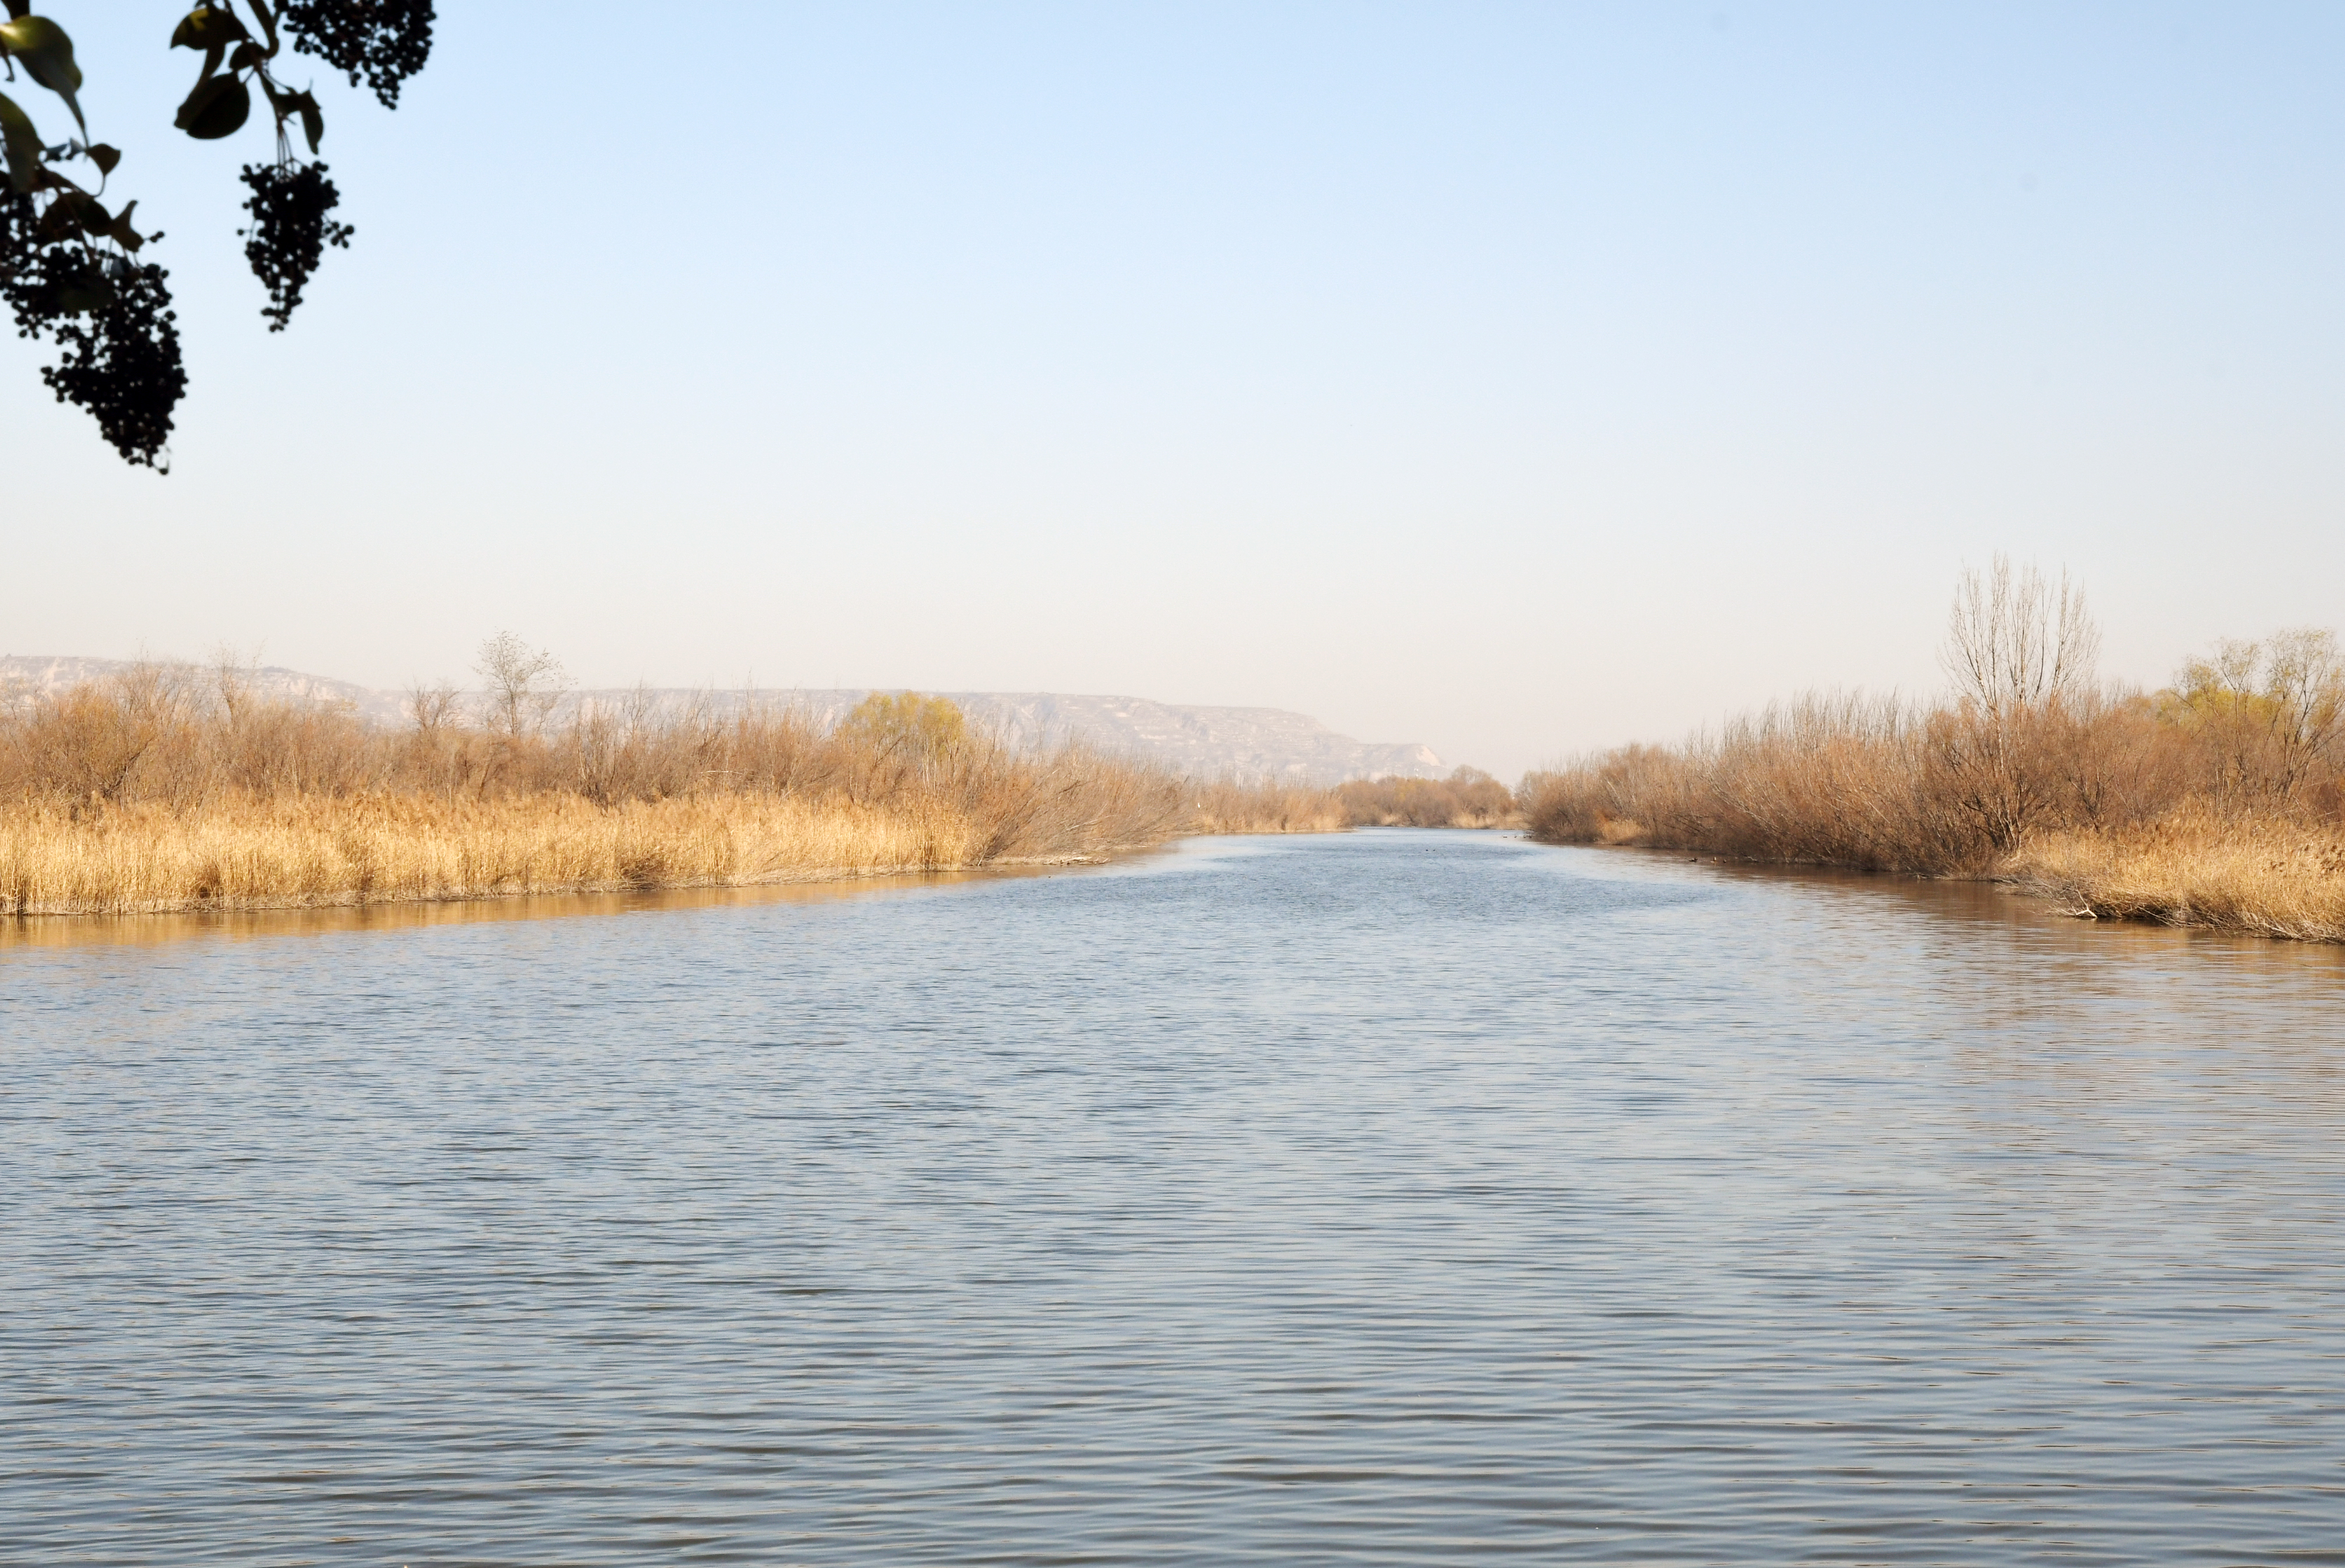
1513,380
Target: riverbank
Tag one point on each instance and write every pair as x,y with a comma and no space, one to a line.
169,791
2272,879
2216,803
249,854
2109,804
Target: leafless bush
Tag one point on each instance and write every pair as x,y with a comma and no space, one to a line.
2015,641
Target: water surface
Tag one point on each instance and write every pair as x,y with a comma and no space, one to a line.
1389,1198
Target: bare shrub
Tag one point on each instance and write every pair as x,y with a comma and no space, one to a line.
434,709
2026,751
88,747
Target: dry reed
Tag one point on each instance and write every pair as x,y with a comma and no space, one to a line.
314,849
169,789
2265,878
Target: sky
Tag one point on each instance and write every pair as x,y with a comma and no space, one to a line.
1517,379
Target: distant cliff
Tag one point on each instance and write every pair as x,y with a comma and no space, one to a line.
1248,743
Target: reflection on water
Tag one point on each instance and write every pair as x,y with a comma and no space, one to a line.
1401,1197
83,930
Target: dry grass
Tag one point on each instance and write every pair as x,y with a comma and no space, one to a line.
308,850
2265,877
168,788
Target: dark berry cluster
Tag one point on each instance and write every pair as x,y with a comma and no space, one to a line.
122,363
69,271
53,282
381,42
291,230
17,219
112,319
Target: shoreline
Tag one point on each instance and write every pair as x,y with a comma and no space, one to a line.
2236,884
356,899
148,927
19,915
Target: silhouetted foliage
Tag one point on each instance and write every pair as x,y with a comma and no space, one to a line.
122,364
69,266
290,231
381,44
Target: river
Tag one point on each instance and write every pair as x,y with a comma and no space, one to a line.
1391,1197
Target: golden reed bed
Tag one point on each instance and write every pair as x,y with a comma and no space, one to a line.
2262,879
280,853
171,789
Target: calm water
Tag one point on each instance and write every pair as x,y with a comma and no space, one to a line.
1398,1197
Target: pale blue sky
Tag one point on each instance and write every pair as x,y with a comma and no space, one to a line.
1511,378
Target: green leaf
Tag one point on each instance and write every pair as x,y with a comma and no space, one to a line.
218,108
207,28
267,22
246,54
23,145
48,58
105,156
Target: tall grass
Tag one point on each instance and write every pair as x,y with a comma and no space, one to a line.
170,788
2216,803
2262,875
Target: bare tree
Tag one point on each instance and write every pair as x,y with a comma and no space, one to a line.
524,683
433,708
234,670
2021,653
2014,640
2306,680
2270,709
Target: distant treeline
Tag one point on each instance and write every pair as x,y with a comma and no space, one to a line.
1468,798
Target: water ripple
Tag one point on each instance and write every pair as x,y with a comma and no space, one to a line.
1396,1198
